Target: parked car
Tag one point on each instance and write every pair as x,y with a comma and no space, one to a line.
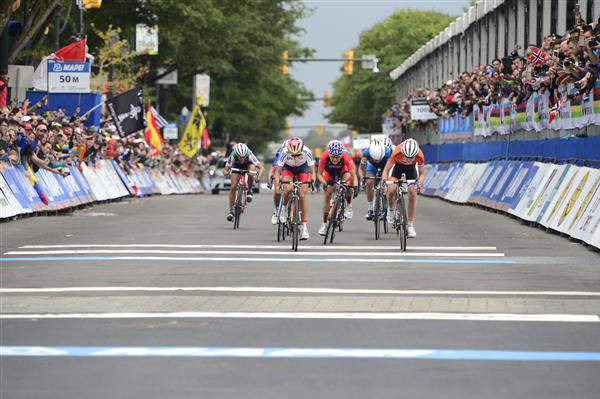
218,181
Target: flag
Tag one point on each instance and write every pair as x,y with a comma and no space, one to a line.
160,121
205,139
151,134
127,111
190,142
537,56
74,52
556,109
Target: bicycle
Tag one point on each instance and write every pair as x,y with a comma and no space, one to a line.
380,206
400,218
282,228
294,214
240,202
336,213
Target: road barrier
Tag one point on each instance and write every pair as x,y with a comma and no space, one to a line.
562,197
105,180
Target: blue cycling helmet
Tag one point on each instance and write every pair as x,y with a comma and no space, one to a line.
335,148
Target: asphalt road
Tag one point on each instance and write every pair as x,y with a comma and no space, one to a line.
160,297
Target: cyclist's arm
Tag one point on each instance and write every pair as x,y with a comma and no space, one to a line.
386,170
313,176
421,175
354,178
261,169
276,175
271,170
320,176
228,165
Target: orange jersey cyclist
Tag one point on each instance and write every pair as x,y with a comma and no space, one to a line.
334,164
406,159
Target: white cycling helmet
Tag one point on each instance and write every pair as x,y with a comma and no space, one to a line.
241,150
387,142
410,148
376,151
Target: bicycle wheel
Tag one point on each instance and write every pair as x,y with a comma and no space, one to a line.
337,216
401,209
331,223
294,224
237,207
376,213
384,210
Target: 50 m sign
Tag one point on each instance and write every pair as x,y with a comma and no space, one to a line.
68,77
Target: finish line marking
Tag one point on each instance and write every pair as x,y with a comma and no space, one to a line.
238,259
563,318
322,247
295,290
297,353
288,253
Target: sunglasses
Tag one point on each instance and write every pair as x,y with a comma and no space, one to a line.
296,155
334,157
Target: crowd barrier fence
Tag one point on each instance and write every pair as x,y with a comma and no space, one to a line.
106,180
561,197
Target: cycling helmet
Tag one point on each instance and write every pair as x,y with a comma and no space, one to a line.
387,142
410,148
295,145
377,151
335,148
241,150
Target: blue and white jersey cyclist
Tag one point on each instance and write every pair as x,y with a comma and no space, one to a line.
372,164
241,157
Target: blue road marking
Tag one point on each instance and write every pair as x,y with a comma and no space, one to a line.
229,259
299,353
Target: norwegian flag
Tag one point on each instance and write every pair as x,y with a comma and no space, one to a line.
537,56
556,109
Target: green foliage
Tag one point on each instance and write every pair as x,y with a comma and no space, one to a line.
237,43
361,98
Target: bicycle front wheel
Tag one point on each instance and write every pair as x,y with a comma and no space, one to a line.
295,224
401,212
331,224
376,212
237,208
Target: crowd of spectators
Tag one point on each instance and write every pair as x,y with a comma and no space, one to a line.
53,140
564,66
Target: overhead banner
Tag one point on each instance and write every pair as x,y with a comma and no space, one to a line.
127,111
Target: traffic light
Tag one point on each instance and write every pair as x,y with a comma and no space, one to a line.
92,3
349,62
320,129
354,133
284,67
326,99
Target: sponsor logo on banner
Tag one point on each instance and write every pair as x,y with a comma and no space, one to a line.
563,195
574,197
585,203
542,194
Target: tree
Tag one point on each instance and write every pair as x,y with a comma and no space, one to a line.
360,99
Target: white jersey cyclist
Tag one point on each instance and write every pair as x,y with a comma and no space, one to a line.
294,161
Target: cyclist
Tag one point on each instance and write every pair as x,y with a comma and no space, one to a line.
387,142
336,163
407,158
276,193
372,164
295,162
241,157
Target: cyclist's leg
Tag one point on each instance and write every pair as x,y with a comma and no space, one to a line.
235,178
303,176
250,182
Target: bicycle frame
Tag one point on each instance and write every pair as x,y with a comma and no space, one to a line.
380,209
336,212
240,202
400,214
294,213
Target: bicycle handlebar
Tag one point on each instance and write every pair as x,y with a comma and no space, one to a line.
236,170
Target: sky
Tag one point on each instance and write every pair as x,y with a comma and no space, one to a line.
333,27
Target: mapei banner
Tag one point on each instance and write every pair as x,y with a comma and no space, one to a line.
537,113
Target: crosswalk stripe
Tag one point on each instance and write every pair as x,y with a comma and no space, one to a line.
320,247
240,260
299,290
567,318
280,253
298,353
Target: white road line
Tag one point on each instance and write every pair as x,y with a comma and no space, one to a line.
567,318
280,253
321,247
297,290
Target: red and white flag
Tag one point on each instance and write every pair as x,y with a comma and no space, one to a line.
537,56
